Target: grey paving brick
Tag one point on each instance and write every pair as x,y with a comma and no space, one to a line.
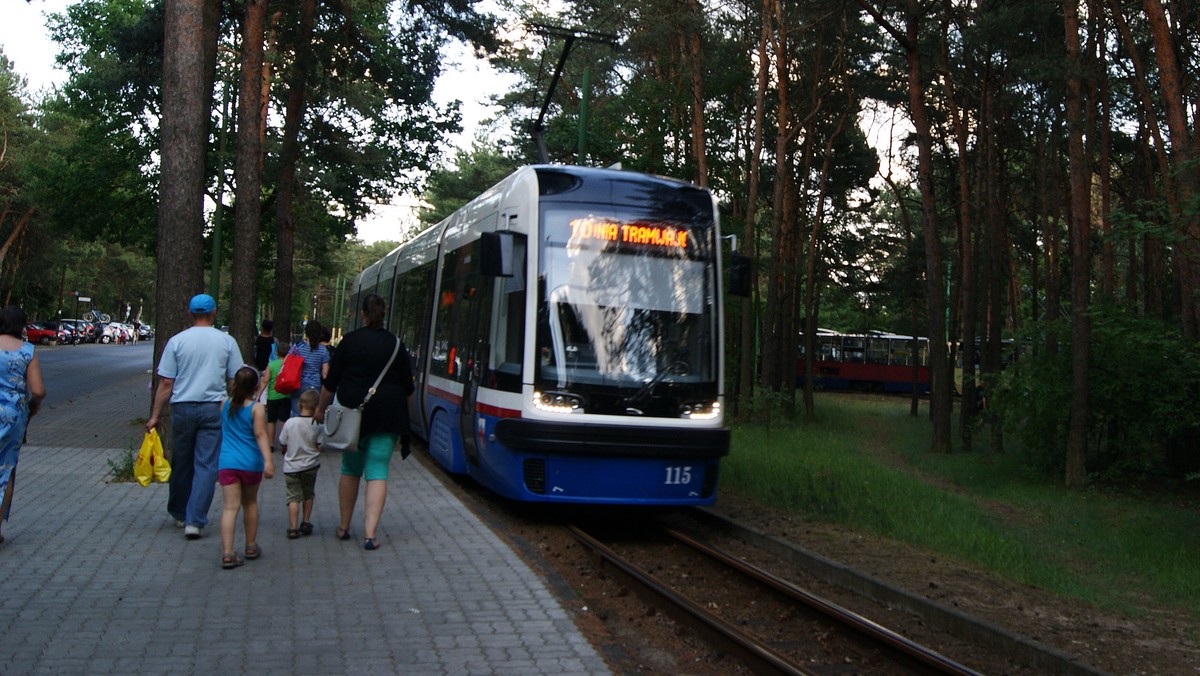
98,580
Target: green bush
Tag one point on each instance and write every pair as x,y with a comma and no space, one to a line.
1143,385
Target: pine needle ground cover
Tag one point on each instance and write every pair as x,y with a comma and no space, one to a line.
865,464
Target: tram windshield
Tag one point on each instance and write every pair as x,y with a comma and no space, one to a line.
626,315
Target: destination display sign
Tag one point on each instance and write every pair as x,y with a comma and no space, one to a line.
636,233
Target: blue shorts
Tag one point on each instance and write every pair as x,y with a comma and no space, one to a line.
372,458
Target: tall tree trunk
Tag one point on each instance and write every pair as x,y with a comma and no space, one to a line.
941,396
1108,266
1080,217
941,376
966,253
285,236
996,251
15,234
1171,83
748,363
248,176
812,289
696,66
186,92
775,279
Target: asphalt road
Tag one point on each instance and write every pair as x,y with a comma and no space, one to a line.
70,371
114,378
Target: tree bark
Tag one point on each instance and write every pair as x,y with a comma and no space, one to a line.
184,130
696,66
1076,461
285,235
248,177
966,253
941,376
941,396
774,307
748,363
1171,83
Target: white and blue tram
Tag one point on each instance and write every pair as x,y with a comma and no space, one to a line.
566,335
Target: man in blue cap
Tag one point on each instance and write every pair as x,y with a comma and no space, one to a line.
194,373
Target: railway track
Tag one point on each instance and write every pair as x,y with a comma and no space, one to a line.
780,628
540,535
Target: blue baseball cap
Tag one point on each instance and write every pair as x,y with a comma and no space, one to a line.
202,304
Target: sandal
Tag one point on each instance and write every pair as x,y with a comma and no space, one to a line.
293,533
370,545
231,560
306,528
342,533
253,551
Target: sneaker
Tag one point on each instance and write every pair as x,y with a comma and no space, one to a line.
178,523
191,532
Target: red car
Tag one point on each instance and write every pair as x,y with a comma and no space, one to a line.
36,333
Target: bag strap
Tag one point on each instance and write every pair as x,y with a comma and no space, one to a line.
388,365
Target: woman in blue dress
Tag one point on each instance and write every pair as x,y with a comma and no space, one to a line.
21,393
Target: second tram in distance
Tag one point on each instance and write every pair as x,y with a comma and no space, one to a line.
868,362
566,335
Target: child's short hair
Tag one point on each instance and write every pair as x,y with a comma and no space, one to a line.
281,347
309,399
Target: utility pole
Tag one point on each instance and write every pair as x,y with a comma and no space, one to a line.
569,35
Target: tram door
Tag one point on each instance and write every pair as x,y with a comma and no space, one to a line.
477,307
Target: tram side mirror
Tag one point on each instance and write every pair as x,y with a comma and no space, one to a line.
496,254
739,275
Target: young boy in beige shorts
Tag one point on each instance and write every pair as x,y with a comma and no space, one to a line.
301,460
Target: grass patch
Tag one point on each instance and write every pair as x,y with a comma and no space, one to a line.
865,464
121,467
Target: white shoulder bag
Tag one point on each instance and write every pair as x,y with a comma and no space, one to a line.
342,423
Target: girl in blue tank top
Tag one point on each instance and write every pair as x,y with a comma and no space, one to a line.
245,460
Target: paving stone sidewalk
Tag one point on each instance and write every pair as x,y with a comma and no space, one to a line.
96,579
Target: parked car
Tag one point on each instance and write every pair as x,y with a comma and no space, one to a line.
111,333
145,332
66,332
84,330
117,332
36,333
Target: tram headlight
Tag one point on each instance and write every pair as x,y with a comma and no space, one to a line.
557,402
701,410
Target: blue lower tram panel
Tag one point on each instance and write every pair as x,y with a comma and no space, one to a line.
606,464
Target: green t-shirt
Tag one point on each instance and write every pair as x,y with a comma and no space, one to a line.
272,372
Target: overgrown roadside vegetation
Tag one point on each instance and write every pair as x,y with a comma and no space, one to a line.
864,464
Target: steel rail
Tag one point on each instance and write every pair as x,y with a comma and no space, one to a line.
897,644
758,657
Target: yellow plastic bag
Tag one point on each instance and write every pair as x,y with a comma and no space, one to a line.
150,464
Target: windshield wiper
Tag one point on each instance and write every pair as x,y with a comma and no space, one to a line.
680,368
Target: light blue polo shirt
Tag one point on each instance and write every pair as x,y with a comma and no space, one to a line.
201,360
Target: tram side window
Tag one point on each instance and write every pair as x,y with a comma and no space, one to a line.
444,358
352,319
418,290
853,349
400,317
829,348
877,351
507,333
464,297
